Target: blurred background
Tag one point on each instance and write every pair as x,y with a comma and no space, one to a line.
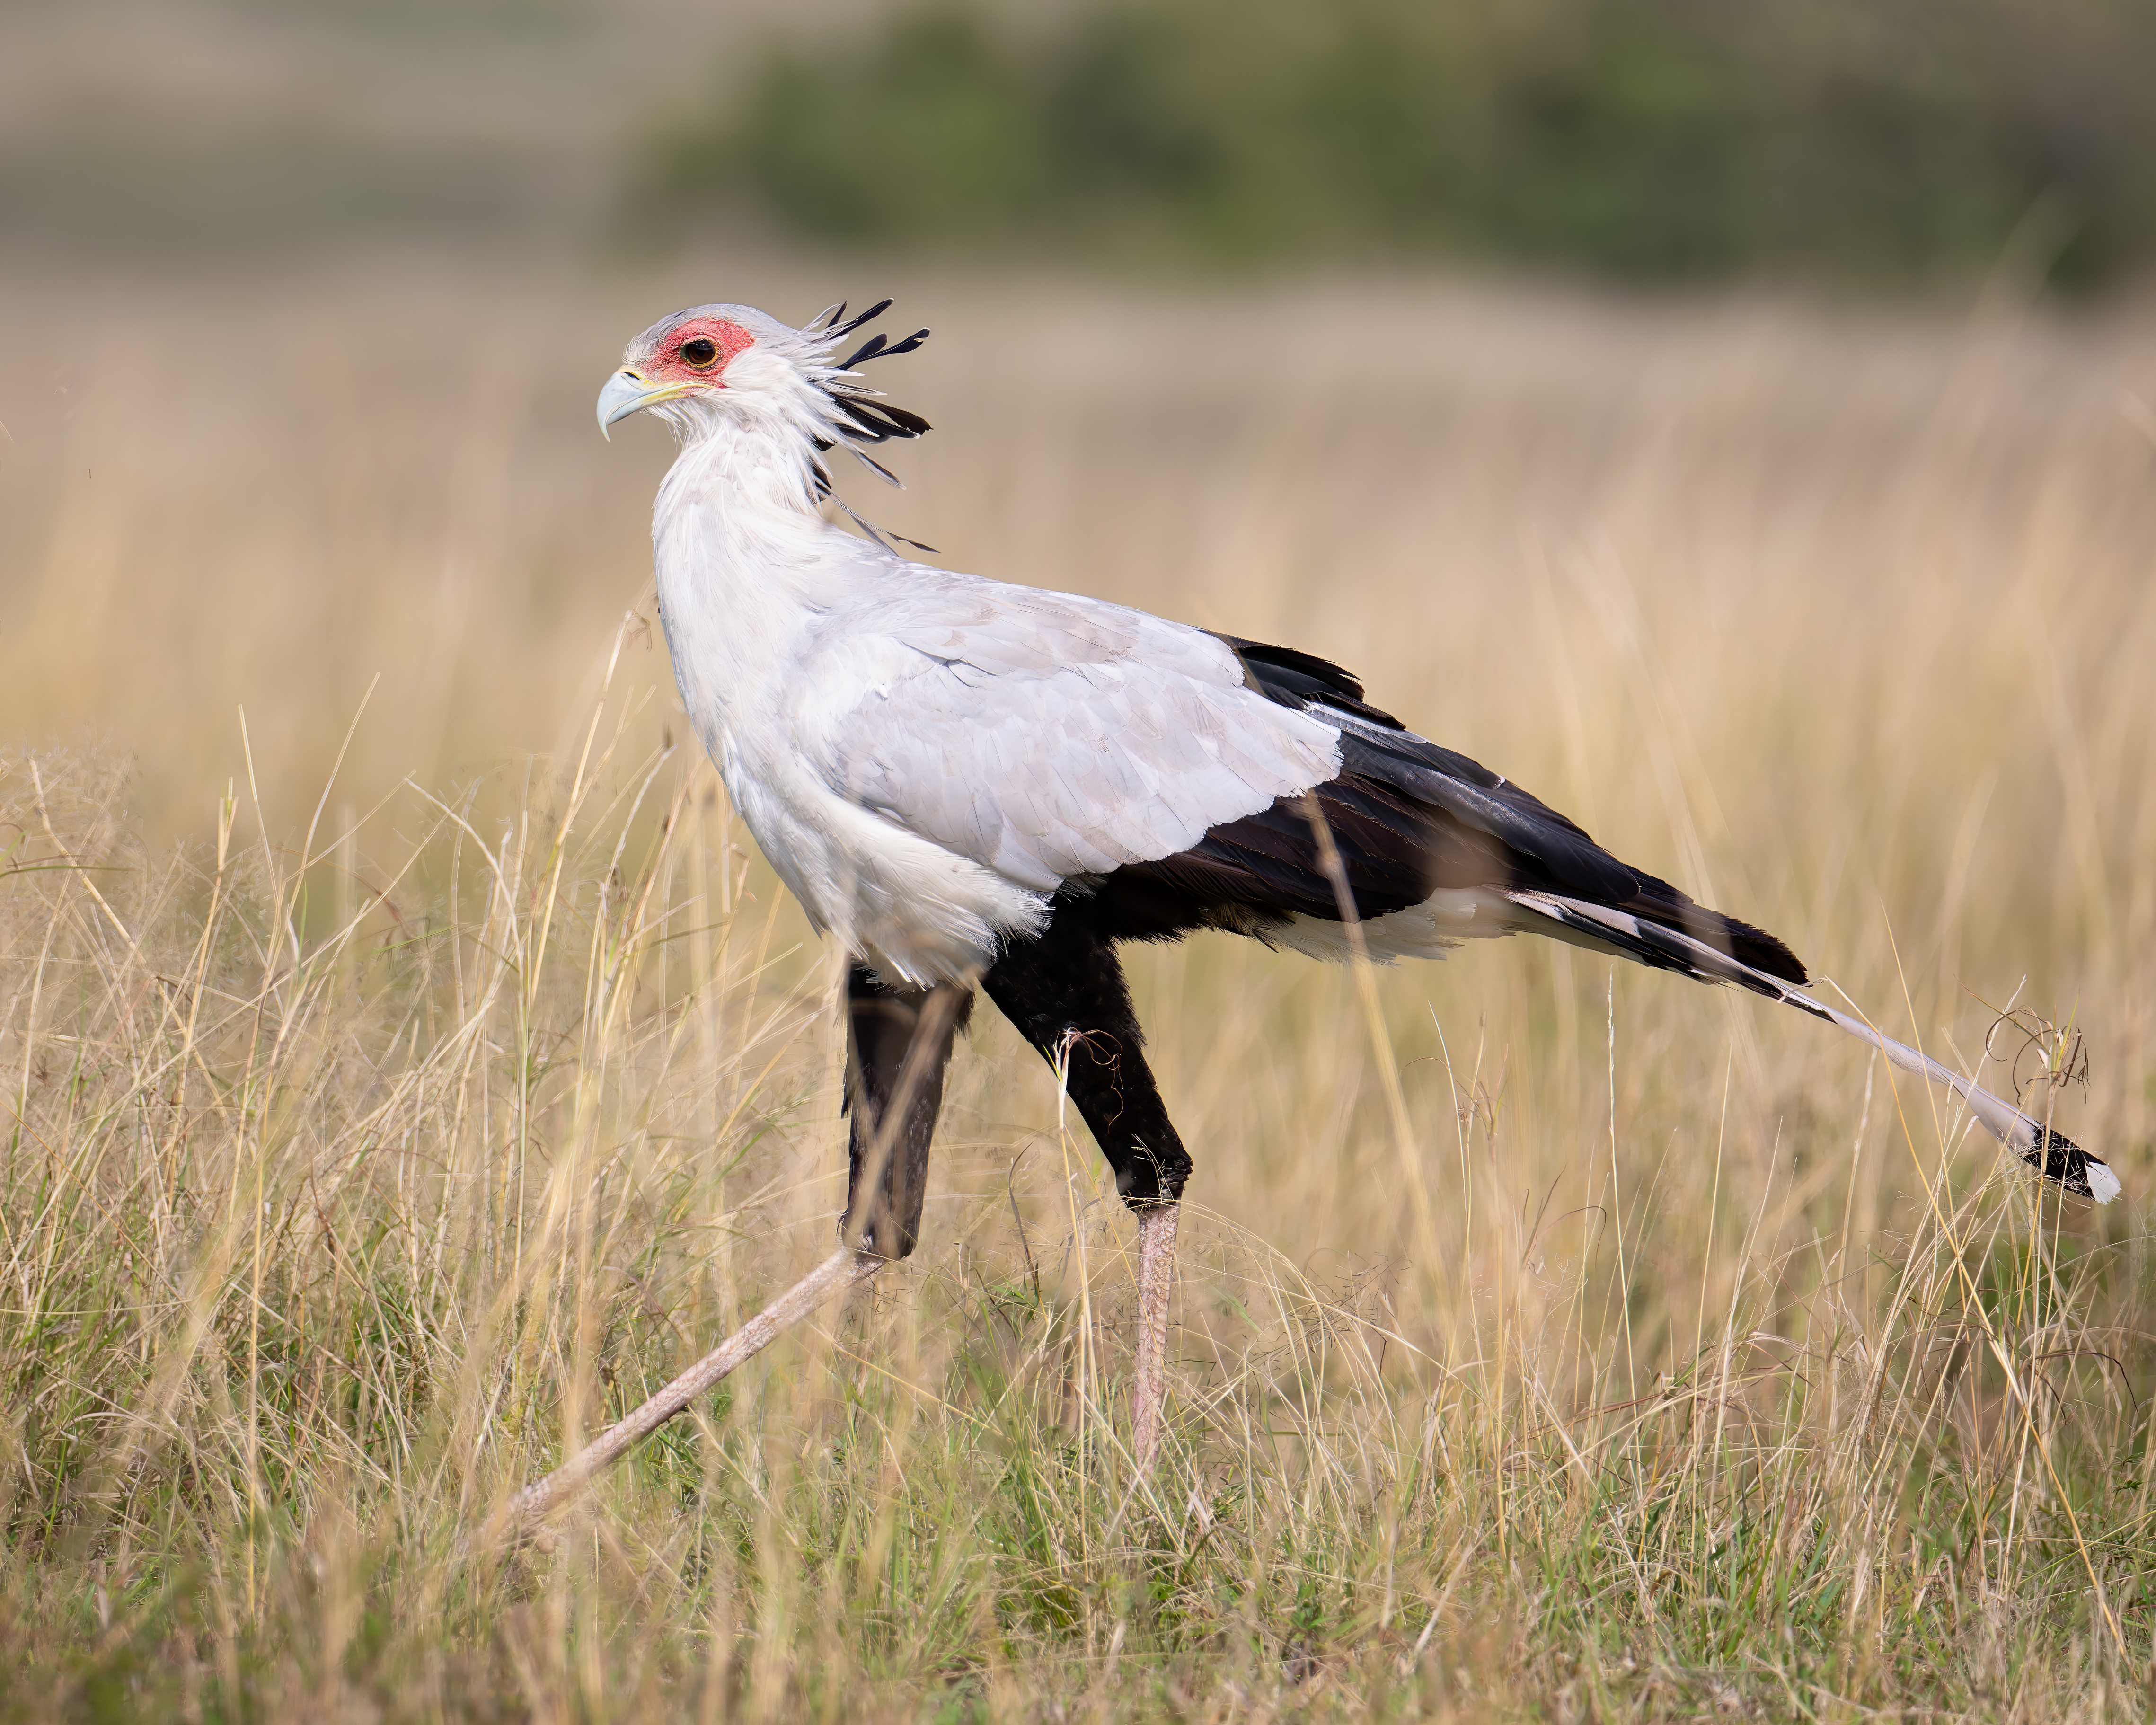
1888,142
1735,420
303,301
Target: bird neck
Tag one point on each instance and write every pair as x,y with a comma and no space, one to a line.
749,467
736,528
745,565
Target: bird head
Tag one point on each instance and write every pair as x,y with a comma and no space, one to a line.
713,366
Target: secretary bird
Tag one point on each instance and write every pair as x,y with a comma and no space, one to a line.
971,785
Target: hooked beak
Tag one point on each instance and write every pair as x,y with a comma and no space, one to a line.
627,392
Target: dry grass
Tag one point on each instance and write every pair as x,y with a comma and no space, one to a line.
1654,1358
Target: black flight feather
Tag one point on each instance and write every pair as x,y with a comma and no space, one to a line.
1297,679
1408,819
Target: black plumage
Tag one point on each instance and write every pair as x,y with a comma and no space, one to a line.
1407,818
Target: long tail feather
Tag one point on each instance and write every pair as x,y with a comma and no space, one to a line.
1664,949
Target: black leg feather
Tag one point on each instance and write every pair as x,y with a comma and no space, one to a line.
1065,982
887,1173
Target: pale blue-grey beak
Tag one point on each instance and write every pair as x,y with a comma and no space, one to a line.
627,392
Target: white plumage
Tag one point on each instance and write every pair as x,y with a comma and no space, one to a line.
968,783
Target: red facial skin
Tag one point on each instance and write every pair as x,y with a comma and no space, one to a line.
668,366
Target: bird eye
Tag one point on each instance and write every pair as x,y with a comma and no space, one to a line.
702,353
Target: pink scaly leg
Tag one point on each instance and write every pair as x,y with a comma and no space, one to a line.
1155,1279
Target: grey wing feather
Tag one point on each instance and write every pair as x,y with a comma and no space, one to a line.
1047,736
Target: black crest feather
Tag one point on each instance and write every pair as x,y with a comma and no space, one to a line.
866,418
863,416
879,346
838,331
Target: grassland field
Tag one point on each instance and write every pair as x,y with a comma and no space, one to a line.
408,1062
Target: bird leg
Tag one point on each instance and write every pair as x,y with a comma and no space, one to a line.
841,1270
1064,991
898,1045
1156,1278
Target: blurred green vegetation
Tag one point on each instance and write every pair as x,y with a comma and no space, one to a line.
1868,141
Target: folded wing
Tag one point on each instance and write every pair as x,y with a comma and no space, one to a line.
1054,739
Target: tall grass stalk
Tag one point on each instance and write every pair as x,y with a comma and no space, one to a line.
328,1230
